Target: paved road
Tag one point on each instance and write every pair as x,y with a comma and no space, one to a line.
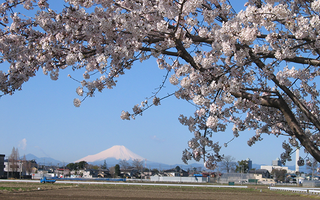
128,183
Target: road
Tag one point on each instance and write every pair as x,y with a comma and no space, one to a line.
128,183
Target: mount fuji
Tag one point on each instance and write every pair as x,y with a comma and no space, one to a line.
116,152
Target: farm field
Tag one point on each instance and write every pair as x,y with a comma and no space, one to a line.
35,191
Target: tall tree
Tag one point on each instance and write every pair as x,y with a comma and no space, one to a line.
117,170
137,164
112,171
124,164
242,166
14,161
30,164
71,166
228,164
279,174
155,171
104,166
256,69
82,165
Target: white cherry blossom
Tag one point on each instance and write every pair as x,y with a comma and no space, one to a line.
261,63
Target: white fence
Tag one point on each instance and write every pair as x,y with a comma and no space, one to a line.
290,189
300,190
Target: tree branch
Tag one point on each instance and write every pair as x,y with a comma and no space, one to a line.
263,101
300,60
183,53
165,52
290,94
289,115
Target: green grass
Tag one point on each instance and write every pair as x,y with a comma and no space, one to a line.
13,189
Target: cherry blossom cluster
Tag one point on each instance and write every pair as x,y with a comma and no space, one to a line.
256,69
286,156
200,146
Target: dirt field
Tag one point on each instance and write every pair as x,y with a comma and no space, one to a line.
37,191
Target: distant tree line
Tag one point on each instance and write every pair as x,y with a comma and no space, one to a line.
77,165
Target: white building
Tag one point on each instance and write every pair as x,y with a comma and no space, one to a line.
14,169
276,164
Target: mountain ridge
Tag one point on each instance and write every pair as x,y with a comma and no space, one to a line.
43,160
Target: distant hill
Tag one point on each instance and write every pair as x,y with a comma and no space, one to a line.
44,160
162,166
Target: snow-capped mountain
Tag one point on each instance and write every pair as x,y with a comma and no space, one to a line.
117,152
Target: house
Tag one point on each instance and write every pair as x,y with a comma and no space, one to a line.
175,172
262,176
147,174
129,173
104,173
260,173
90,173
87,174
62,172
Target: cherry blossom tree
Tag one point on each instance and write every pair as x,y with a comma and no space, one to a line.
256,69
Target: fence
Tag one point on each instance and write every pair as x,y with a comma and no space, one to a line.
233,177
298,190
307,183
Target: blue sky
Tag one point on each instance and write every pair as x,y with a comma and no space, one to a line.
42,120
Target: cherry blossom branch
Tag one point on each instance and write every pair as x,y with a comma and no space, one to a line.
179,16
300,60
287,112
162,84
165,52
303,108
263,100
183,53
